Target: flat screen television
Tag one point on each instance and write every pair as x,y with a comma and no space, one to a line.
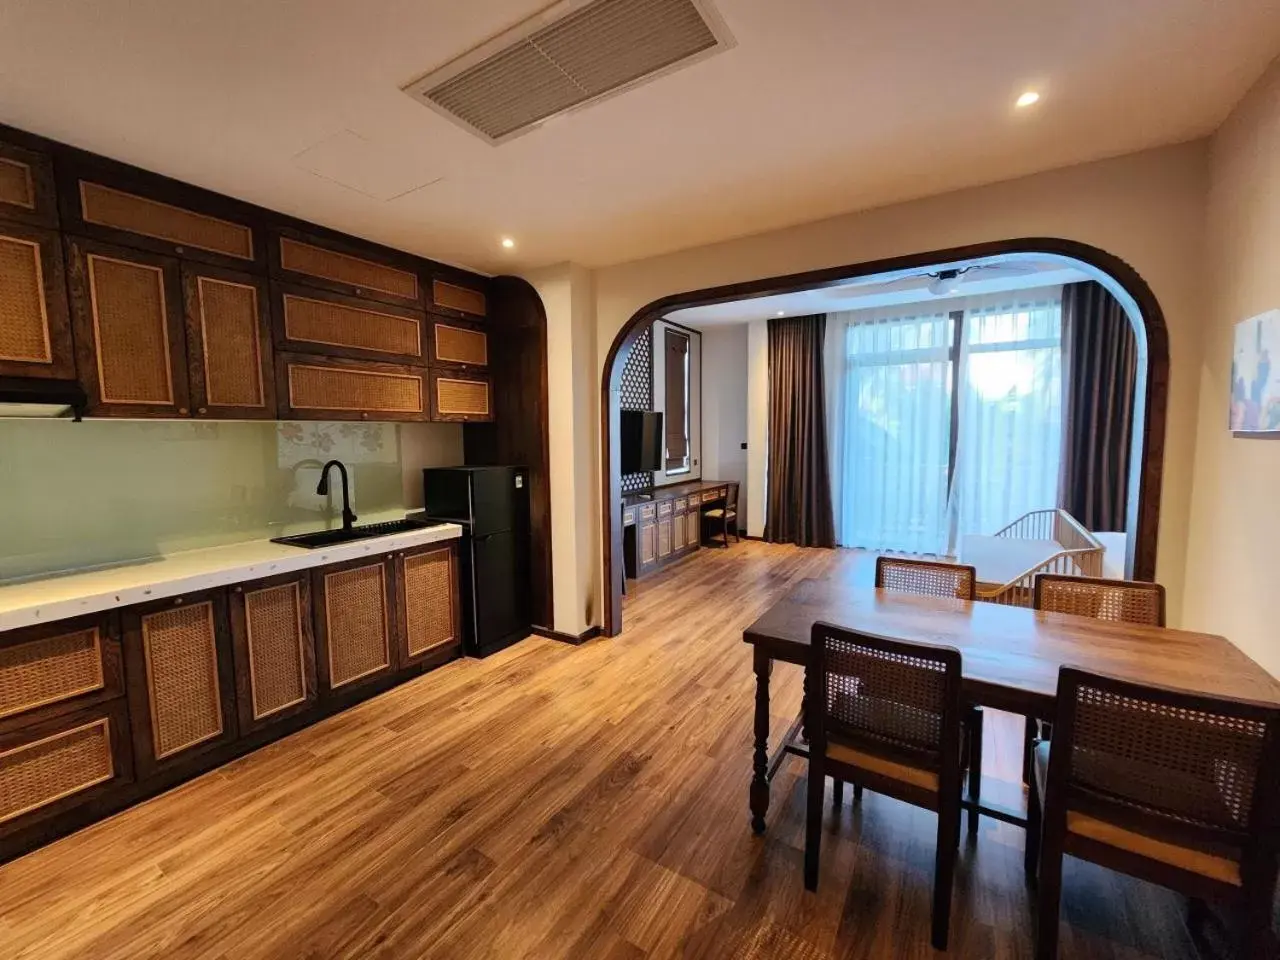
640,434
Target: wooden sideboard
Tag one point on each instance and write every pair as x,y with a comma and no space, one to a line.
666,526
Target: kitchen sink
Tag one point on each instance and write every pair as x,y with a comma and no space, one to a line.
327,538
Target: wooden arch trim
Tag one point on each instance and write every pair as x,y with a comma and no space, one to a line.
1152,386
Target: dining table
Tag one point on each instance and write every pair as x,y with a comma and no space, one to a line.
1010,658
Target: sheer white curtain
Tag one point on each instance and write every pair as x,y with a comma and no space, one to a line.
895,424
900,369
1010,437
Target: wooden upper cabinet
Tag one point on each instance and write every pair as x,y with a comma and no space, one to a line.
427,597
27,193
324,388
126,308
463,397
35,324
354,621
458,296
274,651
309,320
133,208
345,266
228,337
180,678
459,344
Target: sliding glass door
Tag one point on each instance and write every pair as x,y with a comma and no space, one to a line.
896,430
950,421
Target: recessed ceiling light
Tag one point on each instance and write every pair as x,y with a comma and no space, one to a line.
1028,98
508,243
781,313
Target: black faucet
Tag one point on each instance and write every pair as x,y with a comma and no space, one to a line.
322,489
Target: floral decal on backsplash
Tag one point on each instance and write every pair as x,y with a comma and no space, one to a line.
354,442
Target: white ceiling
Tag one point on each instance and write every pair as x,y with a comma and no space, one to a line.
865,292
822,107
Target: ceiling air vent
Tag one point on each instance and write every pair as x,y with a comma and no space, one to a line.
572,54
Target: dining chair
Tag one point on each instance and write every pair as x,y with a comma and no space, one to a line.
1175,788
727,515
1126,601
886,714
937,578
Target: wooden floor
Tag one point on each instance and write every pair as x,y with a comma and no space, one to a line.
553,801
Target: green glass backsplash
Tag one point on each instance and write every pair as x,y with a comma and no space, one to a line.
81,494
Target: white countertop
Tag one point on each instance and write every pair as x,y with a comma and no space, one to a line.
72,594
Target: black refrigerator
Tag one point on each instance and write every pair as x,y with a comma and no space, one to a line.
492,506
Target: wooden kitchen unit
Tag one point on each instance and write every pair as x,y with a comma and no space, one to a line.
666,526
100,711
185,303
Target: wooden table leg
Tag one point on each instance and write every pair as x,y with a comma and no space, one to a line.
763,665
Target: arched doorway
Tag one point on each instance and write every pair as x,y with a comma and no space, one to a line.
1120,279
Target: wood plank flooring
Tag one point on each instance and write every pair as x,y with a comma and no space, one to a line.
554,801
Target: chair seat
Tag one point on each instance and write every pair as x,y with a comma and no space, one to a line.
847,753
718,512
1200,862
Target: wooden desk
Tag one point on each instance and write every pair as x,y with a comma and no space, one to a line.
666,526
1011,655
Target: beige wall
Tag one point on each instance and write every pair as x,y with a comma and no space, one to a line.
724,406
573,427
1234,544
1146,208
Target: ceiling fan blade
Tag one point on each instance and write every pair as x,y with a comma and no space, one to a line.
997,270
867,289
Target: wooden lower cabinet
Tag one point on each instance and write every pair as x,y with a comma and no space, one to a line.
647,543
180,679
354,621
427,606
679,532
273,648
56,761
64,726
693,526
665,526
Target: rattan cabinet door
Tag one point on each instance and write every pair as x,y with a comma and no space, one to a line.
354,622
59,667
27,192
122,205
459,296
306,320
35,325
62,761
344,265
274,651
456,344
180,679
461,397
228,335
326,388
428,609
126,308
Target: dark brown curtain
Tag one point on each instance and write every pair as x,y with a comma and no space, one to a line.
676,348
799,502
1099,371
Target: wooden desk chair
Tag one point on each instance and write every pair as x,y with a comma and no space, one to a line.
886,714
726,515
1172,787
937,578
1126,601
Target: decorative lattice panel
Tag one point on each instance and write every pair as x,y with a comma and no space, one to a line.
637,394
